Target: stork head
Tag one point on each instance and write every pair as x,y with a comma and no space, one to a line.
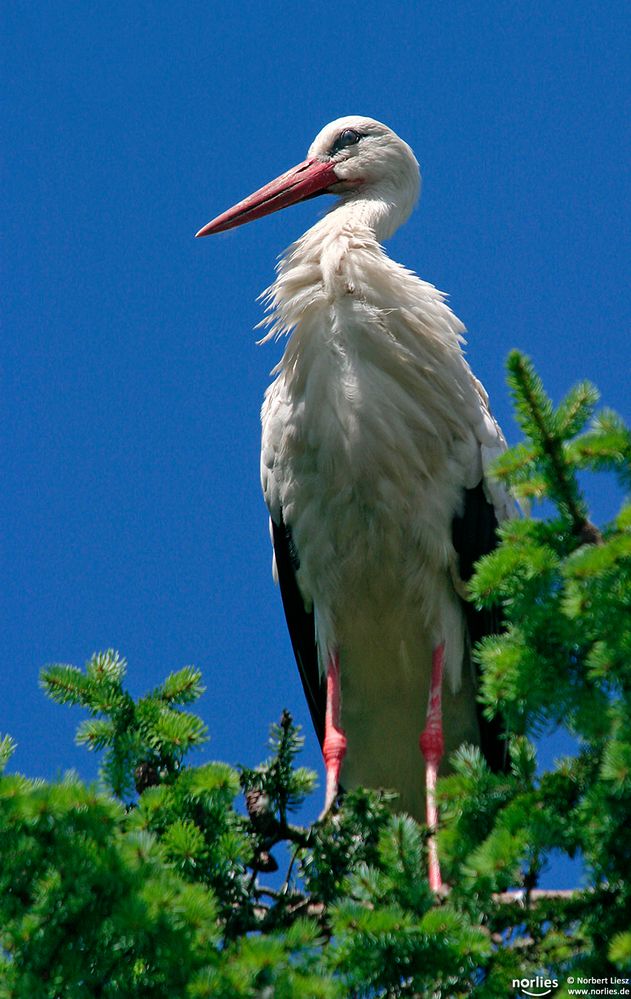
355,157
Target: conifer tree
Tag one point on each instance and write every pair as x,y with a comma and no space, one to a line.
163,880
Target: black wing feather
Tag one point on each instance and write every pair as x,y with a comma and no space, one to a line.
474,534
301,625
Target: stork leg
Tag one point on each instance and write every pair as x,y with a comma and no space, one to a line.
334,745
432,748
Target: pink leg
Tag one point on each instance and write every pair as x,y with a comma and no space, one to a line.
334,746
432,747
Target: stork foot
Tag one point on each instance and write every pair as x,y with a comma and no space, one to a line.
334,745
432,747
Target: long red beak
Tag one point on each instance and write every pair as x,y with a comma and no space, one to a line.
302,181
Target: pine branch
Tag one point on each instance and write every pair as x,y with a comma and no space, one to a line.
182,687
535,895
536,416
7,749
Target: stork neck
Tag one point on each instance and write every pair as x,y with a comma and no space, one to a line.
362,211
358,222
376,212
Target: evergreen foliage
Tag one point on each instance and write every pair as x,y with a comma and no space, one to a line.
160,883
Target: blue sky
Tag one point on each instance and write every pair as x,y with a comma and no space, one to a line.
132,379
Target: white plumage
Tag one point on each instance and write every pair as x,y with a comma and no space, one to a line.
373,429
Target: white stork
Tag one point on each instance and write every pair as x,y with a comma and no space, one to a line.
376,439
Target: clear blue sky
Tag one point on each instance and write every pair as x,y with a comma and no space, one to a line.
132,509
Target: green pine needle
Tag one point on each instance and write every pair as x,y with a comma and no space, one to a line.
7,749
182,687
65,684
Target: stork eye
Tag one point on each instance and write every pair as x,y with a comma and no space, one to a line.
349,137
